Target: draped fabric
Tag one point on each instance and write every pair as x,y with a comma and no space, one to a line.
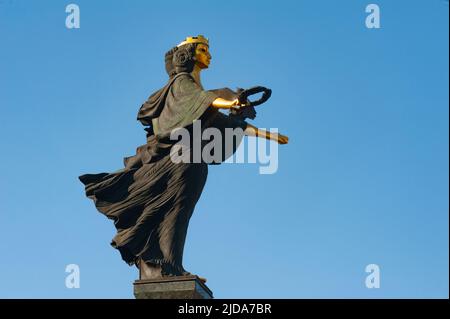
151,199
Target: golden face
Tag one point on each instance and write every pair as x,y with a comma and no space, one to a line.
202,56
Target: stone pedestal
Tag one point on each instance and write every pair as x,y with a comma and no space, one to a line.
180,287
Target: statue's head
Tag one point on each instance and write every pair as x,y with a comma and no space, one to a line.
192,51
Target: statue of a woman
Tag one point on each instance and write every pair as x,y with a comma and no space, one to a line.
151,199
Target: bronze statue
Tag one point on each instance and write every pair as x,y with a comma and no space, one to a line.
151,199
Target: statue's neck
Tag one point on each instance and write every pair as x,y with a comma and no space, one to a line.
196,75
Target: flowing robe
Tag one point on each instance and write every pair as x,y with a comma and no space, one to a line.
151,199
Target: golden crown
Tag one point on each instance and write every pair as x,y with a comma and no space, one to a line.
197,39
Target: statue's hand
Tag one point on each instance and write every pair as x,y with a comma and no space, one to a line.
221,103
281,139
237,105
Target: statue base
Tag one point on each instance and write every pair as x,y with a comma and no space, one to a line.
179,287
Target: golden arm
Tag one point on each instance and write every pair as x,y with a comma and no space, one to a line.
251,130
254,131
220,103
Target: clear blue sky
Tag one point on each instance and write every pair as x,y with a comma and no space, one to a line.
363,180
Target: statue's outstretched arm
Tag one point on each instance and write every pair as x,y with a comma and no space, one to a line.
220,103
254,131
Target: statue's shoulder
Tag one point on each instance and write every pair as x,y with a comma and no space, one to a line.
184,82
